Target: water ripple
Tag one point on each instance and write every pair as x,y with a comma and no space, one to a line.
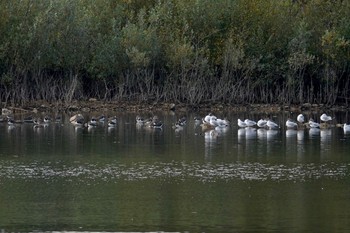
207,172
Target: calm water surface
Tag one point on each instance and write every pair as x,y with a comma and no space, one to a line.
129,178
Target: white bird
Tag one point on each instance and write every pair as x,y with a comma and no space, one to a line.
324,117
213,121
207,118
102,118
261,123
77,120
178,126
271,125
92,122
222,123
241,124
47,119
291,124
300,118
156,123
112,122
249,123
346,128
140,120
313,124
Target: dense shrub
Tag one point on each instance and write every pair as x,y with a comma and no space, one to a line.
193,51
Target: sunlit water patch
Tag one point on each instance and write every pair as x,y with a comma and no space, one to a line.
208,172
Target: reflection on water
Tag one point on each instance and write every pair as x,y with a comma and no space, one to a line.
136,178
248,133
267,134
116,172
300,135
291,133
314,132
210,140
326,134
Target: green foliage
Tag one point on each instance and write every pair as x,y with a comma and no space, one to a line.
125,47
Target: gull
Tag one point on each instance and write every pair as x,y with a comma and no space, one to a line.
180,124
113,119
291,124
10,121
213,121
182,121
92,122
76,118
112,122
156,123
78,122
271,125
47,119
102,118
324,117
346,128
207,118
261,123
139,120
313,124
222,123
249,123
300,118
241,124
37,121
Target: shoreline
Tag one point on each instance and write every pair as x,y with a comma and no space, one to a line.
94,105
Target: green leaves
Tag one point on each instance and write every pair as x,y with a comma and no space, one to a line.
266,42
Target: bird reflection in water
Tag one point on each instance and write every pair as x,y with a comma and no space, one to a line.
210,141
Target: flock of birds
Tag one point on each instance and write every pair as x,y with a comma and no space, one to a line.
291,124
212,122
79,121
209,122
248,126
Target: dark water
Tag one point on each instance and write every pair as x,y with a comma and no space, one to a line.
129,178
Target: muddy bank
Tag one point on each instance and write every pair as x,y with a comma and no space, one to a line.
94,105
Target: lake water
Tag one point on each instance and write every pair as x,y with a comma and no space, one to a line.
129,178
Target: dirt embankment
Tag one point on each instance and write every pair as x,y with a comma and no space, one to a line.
94,105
